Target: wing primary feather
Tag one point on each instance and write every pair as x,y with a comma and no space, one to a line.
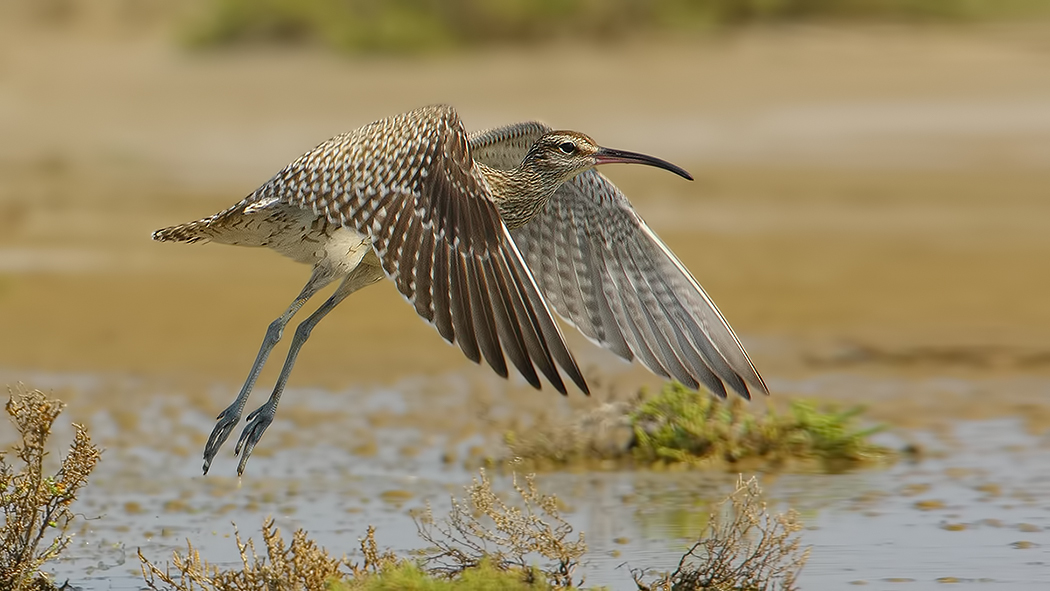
717,364
460,305
530,328
508,326
742,362
705,376
442,292
481,313
661,345
662,330
404,240
600,323
626,310
562,259
699,338
422,269
689,356
545,322
699,341
613,336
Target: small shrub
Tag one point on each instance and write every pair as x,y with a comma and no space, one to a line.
486,544
36,505
468,554
743,547
485,529
299,565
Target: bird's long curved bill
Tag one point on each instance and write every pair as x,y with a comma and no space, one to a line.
610,155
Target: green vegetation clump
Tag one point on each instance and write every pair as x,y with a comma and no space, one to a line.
407,576
680,426
36,505
412,26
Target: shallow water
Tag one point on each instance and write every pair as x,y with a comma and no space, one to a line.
975,508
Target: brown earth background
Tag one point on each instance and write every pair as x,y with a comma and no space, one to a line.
870,198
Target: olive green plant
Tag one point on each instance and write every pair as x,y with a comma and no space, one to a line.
681,426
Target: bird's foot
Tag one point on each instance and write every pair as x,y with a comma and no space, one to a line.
227,419
258,421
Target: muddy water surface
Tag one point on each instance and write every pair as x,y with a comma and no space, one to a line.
869,212
974,509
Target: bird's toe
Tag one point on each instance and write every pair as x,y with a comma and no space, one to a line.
227,420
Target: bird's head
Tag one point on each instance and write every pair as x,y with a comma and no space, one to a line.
565,154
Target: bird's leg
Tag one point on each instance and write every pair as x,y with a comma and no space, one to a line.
260,418
232,415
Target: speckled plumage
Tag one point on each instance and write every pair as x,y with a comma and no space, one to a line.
462,224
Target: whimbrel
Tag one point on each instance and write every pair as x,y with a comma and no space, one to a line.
479,233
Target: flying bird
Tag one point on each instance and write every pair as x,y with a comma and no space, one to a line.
482,234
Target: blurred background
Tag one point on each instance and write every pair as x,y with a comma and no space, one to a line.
870,209
871,174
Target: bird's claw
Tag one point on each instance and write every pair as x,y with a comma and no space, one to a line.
258,421
227,419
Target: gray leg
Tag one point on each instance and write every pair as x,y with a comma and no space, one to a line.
232,415
261,418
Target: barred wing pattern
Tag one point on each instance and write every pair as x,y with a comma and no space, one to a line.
409,182
606,272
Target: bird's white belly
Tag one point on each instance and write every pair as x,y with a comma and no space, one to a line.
345,248
309,239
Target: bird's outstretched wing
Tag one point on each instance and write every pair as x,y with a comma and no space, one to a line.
606,272
409,182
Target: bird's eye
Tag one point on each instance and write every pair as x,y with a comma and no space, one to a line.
567,147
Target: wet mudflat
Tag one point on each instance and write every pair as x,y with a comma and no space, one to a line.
974,509
869,213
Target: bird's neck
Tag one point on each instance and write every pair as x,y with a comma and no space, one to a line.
520,193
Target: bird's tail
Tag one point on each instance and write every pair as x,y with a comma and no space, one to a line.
188,232
212,227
